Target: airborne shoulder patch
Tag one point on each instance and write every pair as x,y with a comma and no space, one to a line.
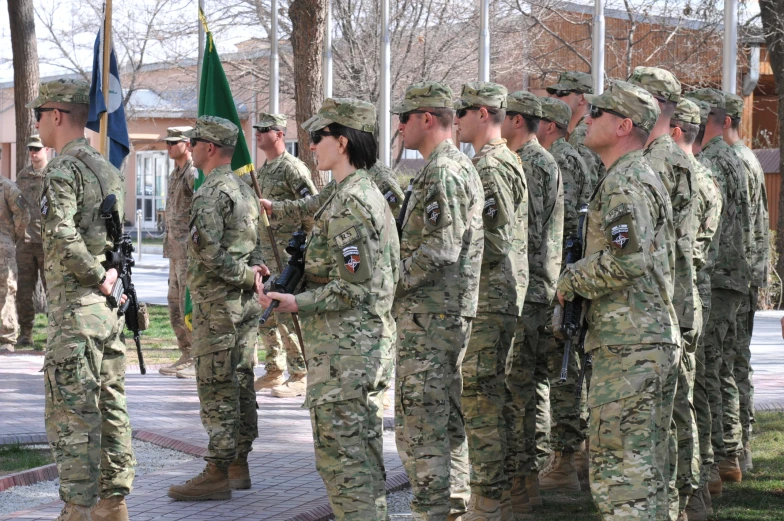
616,213
491,208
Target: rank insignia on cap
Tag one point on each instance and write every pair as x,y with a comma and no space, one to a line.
195,235
620,235
491,208
390,197
44,206
433,212
351,258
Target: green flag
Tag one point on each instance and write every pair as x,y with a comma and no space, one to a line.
215,99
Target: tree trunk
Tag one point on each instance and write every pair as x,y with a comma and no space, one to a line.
772,15
25,55
307,40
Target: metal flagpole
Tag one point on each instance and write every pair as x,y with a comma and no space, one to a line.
597,55
274,62
729,69
106,48
484,40
328,52
200,57
384,101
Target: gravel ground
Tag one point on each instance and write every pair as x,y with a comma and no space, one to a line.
150,458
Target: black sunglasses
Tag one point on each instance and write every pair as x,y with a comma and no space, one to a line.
562,93
34,149
407,115
195,140
40,111
597,112
317,135
461,113
264,130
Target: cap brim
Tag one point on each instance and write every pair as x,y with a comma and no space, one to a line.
37,102
597,100
190,133
175,139
316,123
558,86
35,144
402,108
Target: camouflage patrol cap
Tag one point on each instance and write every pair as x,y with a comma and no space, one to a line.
426,94
215,130
556,111
630,101
704,109
574,81
176,134
482,94
687,111
349,112
35,141
733,105
62,91
713,97
659,82
525,103
265,120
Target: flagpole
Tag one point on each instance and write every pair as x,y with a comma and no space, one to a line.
103,141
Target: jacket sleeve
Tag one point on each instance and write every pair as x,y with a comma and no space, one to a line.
21,212
301,209
498,214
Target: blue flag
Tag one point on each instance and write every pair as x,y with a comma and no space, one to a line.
119,143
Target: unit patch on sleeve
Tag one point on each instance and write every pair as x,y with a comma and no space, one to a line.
433,211
352,258
620,235
44,205
304,190
195,236
390,197
491,208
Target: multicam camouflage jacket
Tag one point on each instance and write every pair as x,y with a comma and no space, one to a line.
31,183
576,184
732,266
178,208
504,279
629,260
592,160
14,215
545,221
758,215
224,237
442,238
707,219
387,183
674,168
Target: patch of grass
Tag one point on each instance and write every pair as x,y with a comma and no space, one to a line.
15,458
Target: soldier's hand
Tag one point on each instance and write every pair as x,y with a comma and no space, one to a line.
267,205
108,284
560,298
288,303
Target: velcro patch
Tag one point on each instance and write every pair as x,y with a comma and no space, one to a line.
21,202
304,190
433,211
352,258
620,236
44,205
616,213
347,237
390,197
195,236
491,208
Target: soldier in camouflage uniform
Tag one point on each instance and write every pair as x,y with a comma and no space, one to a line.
571,88
633,334
567,436
281,177
502,286
86,416
441,247
685,125
758,264
675,170
224,258
527,403
729,288
175,240
30,252
351,270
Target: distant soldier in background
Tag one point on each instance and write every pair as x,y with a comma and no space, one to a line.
14,216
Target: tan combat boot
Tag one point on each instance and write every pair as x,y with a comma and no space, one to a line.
518,497
532,484
73,512
560,474
187,371
269,380
454,517
111,508
294,386
696,510
239,474
481,508
211,483
706,497
729,470
180,363
714,481
747,456
581,460
506,507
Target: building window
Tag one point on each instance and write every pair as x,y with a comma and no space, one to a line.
152,171
292,147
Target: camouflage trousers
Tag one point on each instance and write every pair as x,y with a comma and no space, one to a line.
429,425
527,403
86,416
631,399
30,265
282,345
567,430
224,342
702,405
743,370
483,400
9,328
720,346
176,299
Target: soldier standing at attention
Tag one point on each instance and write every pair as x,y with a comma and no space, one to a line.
758,264
281,177
86,416
30,252
441,247
351,270
502,286
175,242
633,334
224,257
685,125
729,288
527,404
571,88
567,436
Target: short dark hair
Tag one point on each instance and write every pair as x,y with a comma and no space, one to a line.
79,112
734,123
445,116
226,151
640,134
667,108
690,130
700,135
717,116
531,123
362,148
496,115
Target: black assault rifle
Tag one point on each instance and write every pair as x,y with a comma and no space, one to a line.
402,215
292,274
121,259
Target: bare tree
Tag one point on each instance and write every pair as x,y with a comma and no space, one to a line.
25,56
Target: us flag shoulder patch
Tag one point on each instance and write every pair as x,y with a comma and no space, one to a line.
352,258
